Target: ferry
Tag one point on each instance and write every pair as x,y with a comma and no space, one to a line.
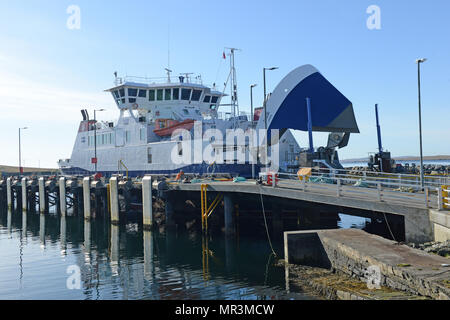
143,140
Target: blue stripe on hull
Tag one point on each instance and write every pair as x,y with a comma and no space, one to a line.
242,170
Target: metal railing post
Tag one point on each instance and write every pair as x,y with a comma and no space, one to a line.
440,199
379,191
338,187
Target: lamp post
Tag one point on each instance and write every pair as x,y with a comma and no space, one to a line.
95,137
419,61
20,152
252,118
265,109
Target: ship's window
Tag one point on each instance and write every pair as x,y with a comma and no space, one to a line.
123,100
185,94
149,155
176,94
122,92
127,136
185,111
116,94
132,100
132,92
142,134
180,148
212,107
151,95
196,95
159,94
167,94
214,99
142,93
207,99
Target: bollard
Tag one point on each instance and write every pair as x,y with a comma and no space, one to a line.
41,184
147,204
87,197
8,193
24,194
114,200
62,196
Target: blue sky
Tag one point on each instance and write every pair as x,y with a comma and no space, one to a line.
48,72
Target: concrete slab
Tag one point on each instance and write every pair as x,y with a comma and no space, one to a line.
354,252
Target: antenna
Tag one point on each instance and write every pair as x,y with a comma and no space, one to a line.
186,75
168,74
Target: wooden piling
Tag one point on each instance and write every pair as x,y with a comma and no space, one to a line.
87,197
62,196
42,198
114,200
24,194
147,203
228,214
8,193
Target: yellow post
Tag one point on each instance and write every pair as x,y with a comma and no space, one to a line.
108,197
445,197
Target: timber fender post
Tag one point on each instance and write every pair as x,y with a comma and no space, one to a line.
24,194
228,207
42,198
147,202
87,197
114,200
62,196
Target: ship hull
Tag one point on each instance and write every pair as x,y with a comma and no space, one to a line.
242,170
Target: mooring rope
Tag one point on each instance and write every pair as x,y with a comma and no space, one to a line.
265,222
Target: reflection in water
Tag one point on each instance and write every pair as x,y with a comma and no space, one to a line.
24,224
148,255
42,230
62,232
126,262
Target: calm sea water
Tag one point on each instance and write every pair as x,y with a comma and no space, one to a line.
125,262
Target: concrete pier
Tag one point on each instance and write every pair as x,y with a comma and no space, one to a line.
147,202
87,197
114,200
9,193
62,196
357,253
42,204
228,214
24,194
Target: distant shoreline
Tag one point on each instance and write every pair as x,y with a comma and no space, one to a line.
12,169
404,158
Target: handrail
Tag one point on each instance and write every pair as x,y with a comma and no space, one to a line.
123,164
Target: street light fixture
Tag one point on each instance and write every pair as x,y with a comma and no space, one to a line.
422,182
95,137
20,154
265,109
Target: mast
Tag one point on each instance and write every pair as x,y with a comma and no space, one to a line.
234,95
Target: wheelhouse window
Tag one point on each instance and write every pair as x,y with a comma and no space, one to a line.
176,94
142,93
167,94
196,95
116,94
132,92
214,99
207,99
151,95
123,100
122,92
185,94
159,94
132,100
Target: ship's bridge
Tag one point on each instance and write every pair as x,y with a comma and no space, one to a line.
132,95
